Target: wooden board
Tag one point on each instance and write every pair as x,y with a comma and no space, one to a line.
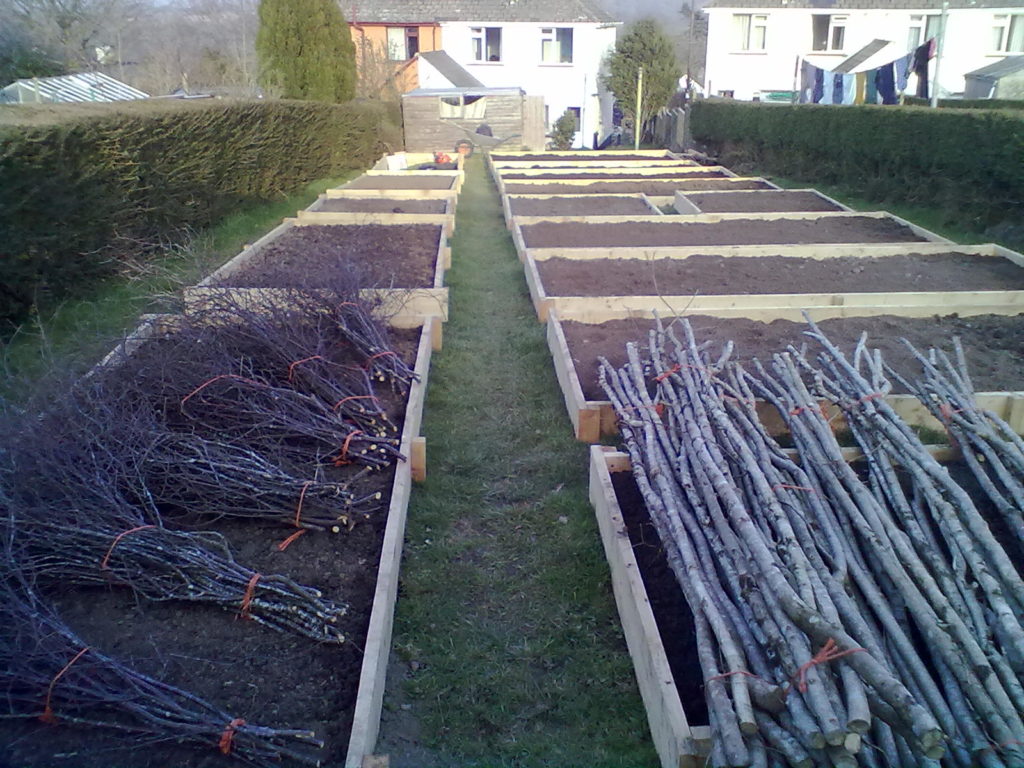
818,251
457,176
678,743
317,205
373,675
587,165
684,205
392,194
585,184
642,172
1009,406
308,218
508,200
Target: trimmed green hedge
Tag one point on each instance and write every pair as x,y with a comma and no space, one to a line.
78,190
968,103
969,164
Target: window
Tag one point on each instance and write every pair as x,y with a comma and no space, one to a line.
556,45
922,28
486,43
403,43
577,113
828,32
464,106
751,31
1008,34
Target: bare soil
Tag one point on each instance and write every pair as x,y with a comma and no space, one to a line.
672,613
656,188
716,275
591,205
597,157
396,256
763,202
992,343
249,670
611,175
846,229
382,205
400,181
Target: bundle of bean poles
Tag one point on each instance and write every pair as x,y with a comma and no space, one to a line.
48,673
840,620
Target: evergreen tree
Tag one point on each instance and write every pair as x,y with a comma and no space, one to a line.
305,50
643,45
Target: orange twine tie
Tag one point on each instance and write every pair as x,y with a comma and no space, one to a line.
247,597
291,368
48,716
228,737
342,459
344,400
106,558
385,353
827,653
205,384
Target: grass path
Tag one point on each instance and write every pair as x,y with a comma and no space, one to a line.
506,629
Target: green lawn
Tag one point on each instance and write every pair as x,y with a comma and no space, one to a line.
505,608
78,332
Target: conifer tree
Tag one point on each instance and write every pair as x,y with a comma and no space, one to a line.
644,44
305,50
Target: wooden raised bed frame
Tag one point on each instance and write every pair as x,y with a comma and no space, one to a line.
373,674
768,306
405,308
446,219
591,419
684,205
678,743
508,200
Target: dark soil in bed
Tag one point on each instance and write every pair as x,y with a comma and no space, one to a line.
591,205
382,205
250,671
992,343
395,256
833,229
656,188
763,202
610,175
398,181
597,157
672,614
716,275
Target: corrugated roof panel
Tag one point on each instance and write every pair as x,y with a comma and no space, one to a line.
83,86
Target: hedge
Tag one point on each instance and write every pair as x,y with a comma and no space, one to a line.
968,103
79,189
969,164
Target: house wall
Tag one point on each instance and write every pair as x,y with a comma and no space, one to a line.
561,85
371,51
788,34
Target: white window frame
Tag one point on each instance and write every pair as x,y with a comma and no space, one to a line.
551,42
750,27
478,45
1007,26
920,24
397,47
835,23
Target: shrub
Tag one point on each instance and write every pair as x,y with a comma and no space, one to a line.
965,163
564,129
80,190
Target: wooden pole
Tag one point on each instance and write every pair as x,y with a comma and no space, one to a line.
638,126
940,44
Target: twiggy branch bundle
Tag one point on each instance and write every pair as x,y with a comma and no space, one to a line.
840,620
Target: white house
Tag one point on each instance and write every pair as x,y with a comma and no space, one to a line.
754,45
547,48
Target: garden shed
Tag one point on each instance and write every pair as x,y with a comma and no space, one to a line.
1002,80
437,118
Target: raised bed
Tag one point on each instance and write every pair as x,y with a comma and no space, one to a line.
316,215
991,343
924,283
587,156
381,205
613,174
277,679
259,268
577,205
792,200
650,188
418,180
679,735
716,229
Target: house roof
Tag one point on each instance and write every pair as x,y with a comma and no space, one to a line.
503,91
1007,66
432,11
452,71
863,5
84,86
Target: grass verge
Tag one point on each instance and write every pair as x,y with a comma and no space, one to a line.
505,609
77,332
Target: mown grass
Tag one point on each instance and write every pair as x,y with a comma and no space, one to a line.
505,610
77,332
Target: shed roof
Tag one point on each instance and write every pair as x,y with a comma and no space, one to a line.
865,5
84,86
1007,66
453,72
432,11
464,92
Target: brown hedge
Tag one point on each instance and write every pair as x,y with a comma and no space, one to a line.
965,163
78,188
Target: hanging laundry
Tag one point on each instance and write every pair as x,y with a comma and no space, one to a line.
871,97
860,86
919,67
885,82
829,89
902,68
849,88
